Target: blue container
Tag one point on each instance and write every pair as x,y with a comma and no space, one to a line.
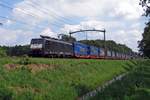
109,53
101,52
93,51
80,50
113,54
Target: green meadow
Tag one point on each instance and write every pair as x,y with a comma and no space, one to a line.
54,79
134,86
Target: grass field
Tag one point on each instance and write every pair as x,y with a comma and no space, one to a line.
134,86
54,79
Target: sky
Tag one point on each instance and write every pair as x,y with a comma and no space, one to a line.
26,19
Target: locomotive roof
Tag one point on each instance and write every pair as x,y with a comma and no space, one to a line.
54,40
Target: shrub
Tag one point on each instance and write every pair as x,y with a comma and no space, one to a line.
5,94
24,61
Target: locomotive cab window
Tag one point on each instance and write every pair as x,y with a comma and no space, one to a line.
37,41
36,44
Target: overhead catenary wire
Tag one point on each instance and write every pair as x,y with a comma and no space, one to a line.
48,13
22,10
25,12
18,21
54,14
62,18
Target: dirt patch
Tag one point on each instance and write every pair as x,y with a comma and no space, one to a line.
21,89
12,66
31,67
39,67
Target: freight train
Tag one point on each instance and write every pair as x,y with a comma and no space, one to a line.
50,47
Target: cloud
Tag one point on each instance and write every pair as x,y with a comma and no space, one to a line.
49,32
13,37
51,10
128,38
8,22
128,9
6,36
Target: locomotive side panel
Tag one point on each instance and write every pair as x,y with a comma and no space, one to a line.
58,48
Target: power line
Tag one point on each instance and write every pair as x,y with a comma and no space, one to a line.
18,21
45,10
12,20
54,13
24,11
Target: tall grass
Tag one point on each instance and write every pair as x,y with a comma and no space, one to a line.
66,79
134,86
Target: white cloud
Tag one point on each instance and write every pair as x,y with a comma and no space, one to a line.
49,32
40,10
69,28
128,9
13,37
9,22
7,35
129,38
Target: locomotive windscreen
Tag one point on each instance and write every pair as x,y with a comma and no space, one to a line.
36,43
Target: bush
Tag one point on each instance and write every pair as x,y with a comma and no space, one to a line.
5,94
2,53
24,61
81,89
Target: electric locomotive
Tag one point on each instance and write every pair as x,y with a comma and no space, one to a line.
50,47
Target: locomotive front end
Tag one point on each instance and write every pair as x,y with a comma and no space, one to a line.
36,47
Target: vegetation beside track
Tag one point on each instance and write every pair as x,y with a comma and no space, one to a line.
54,79
134,86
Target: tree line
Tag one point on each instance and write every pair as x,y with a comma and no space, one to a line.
144,44
17,50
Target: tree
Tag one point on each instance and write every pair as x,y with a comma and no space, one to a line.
146,6
67,38
18,50
2,52
144,44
